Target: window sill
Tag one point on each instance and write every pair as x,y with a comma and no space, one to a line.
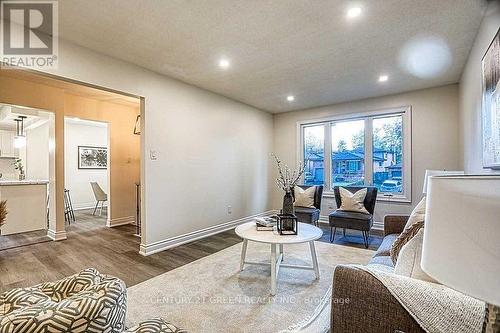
381,198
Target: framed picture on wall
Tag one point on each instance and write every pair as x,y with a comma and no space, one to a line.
491,105
92,157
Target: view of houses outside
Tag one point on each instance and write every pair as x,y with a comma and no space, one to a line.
348,154
314,147
388,148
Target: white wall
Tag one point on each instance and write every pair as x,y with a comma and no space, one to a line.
434,136
37,152
470,93
212,152
77,181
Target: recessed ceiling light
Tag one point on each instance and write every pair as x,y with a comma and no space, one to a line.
353,12
383,78
224,63
290,98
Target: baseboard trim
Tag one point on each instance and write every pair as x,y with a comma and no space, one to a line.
149,249
83,207
377,225
87,207
120,221
56,235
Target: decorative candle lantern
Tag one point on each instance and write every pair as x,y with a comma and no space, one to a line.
287,224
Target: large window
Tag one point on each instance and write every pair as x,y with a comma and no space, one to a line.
348,153
388,154
314,154
367,149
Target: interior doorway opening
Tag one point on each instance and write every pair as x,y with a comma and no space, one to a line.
86,169
26,164
120,113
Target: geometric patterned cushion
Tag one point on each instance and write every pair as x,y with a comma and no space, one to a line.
70,285
156,325
84,302
20,298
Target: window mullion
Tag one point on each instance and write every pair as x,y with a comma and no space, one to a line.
328,157
369,151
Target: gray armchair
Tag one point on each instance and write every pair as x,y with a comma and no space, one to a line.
310,215
354,220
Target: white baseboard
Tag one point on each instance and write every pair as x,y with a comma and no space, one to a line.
377,225
83,207
148,249
120,221
56,235
87,206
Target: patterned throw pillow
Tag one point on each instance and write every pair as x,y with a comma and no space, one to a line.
304,198
84,302
70,285
416,216
353,202
404,238
408,263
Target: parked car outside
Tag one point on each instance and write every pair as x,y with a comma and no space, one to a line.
392,185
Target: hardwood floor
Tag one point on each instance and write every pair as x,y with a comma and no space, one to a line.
23,239
113,251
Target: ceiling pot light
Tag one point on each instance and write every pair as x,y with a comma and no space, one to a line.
224,63
353,12
290,98
383,78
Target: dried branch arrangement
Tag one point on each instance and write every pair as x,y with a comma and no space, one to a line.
287,178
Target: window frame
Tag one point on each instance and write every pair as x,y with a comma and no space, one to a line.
368,116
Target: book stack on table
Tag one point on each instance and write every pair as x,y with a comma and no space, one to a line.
265,223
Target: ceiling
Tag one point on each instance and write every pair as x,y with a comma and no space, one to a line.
308,49
33,117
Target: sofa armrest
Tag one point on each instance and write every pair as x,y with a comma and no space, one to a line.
361,303
394,224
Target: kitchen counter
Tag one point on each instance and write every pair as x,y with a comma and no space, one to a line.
23,182
26,204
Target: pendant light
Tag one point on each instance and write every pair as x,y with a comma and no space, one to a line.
20,138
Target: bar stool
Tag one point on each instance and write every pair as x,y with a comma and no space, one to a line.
69,213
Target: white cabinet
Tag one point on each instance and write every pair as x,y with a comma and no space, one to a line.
7,144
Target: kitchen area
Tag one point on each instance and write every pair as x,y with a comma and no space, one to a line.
24,168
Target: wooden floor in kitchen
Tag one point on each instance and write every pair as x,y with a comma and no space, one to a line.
112,251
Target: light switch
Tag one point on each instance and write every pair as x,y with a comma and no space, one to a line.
153,155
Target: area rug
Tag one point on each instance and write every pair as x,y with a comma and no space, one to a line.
212,295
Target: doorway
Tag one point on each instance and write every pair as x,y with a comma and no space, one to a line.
120,114
86,171
26,165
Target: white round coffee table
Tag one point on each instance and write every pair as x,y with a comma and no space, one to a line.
307,233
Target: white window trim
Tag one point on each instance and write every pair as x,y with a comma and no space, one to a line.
405,111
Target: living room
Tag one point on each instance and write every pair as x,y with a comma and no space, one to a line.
400,94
